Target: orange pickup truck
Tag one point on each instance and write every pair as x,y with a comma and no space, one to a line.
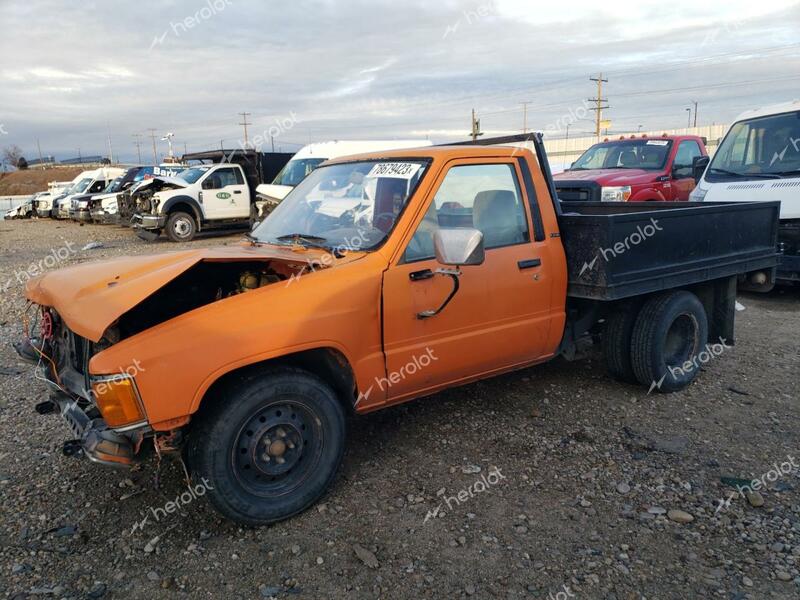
379,279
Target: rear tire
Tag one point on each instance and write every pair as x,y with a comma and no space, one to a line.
181,227
270,446
617,343
670,331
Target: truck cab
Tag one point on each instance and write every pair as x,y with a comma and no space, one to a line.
759,160
633,169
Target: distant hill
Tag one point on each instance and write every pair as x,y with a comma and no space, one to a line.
30,181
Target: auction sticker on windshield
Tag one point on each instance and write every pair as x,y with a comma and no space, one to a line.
657,142
394,169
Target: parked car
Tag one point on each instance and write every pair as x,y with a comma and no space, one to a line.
308,158
633,169
23,210
43,202
759,160
91,182
380,278
218,193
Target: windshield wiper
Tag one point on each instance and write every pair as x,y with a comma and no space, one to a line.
312,241
745,175
252,239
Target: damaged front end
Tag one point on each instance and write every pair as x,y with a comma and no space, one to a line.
63,359
78,313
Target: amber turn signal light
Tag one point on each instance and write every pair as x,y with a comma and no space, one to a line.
118,401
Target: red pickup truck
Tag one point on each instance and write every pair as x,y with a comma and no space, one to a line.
634,169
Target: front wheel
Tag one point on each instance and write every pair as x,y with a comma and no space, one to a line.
270,446
181,227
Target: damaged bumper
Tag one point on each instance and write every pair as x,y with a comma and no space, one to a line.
149,221
93,438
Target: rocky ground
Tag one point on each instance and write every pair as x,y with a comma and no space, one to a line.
572,485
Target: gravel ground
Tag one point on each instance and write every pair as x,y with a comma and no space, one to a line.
573,486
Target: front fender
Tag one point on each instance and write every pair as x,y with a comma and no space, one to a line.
183,199
648,194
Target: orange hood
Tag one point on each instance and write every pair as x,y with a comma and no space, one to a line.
90,297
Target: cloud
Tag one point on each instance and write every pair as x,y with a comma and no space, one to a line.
372,69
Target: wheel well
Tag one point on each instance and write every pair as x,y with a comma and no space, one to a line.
326,363
184,207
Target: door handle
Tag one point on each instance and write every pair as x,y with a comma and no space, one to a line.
420,275
530,263
237,191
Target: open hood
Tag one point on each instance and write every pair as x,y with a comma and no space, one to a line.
91,297
160,183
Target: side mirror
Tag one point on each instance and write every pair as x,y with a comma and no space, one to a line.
454,248
208,184
699,165
459,247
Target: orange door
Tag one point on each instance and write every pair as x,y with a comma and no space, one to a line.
500,316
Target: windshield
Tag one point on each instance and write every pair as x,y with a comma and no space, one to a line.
193,174
113,186
767,145
650,155
295,171
82,185
351,206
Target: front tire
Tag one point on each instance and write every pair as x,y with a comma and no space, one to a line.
181,227
670,331
270,445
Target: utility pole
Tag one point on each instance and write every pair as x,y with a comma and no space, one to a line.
153,137
695,111
476,127
272,141
689,117
599,102
138,145
185,151
110,151
525,116
39,148
566,139
244,123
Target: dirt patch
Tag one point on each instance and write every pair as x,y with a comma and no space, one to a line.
575,486
30,181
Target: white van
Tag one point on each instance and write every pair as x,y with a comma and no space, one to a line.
88,182
310,157
759,159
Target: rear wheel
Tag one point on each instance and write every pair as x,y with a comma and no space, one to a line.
617,343
270,446
181,227
670,331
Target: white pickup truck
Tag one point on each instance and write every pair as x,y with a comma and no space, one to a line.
199,198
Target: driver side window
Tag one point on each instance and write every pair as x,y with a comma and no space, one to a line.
484,197
684,158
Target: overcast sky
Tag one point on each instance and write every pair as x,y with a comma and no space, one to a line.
324,69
